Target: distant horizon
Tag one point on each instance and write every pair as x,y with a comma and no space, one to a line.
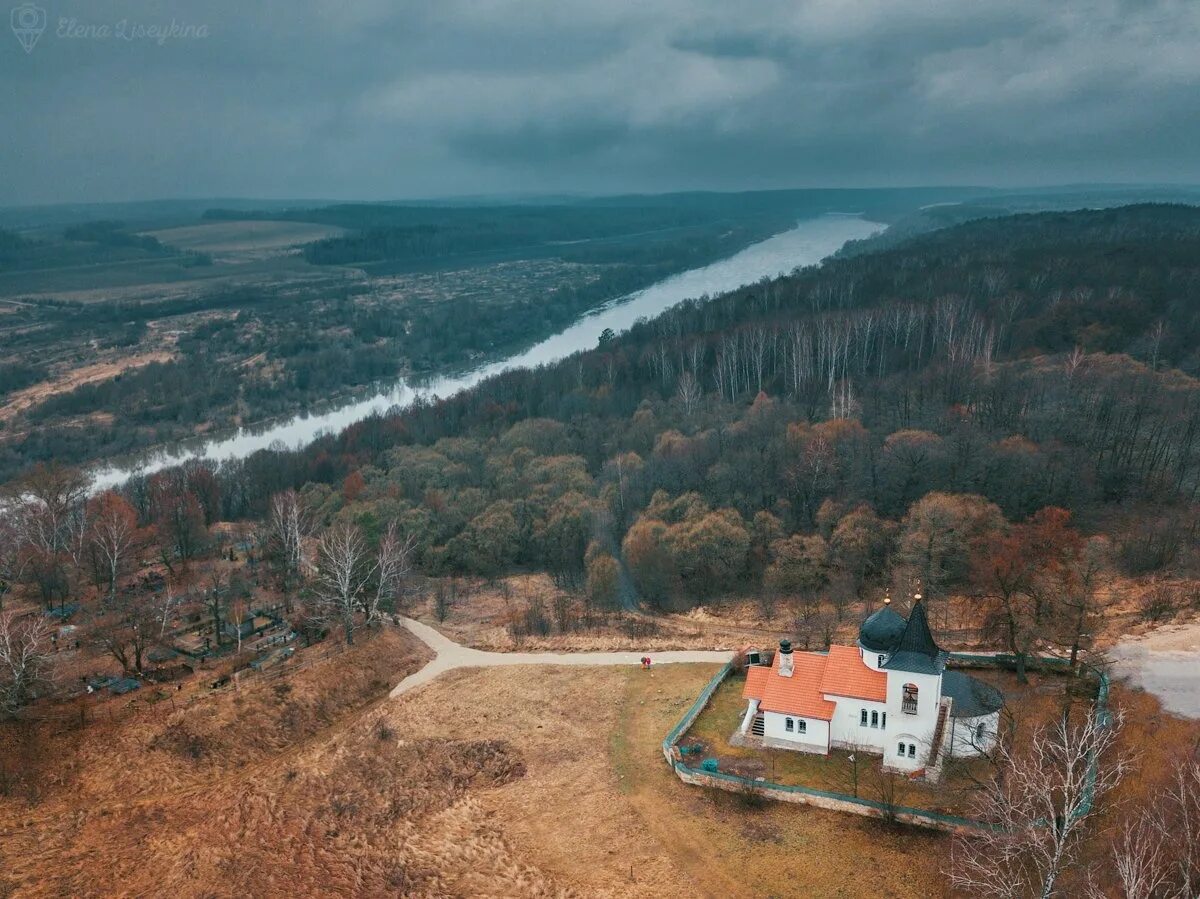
548,196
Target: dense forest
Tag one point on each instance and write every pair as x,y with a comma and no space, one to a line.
1024,383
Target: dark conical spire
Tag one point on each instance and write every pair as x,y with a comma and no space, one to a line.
917,650
917,637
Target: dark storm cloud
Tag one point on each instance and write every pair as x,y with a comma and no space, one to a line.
386,99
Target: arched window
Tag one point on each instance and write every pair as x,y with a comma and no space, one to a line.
788,725
912,750
979,733
862,718
909,703
875,719
802,726
900,750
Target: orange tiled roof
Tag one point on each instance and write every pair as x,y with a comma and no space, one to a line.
799,694
847,675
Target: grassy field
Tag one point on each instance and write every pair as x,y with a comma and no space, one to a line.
243,240
525,781
513,782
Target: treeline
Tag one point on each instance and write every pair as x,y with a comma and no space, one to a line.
88,243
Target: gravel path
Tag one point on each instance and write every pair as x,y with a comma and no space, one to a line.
449,655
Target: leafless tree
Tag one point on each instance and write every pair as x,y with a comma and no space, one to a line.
689,394
44,501
12,559
344,571
288,525
112,536
128,632
1157,853
1038,806
236,615
393,564
166,603
1138,858
214,602
44,508
25,651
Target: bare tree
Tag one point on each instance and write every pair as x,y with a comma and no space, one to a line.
1138,858
1157,853
288,525
45,499
344,571
392,567
1038,806
129,632
164,607
689,393
236,614
214,602
112,536
12,559
1182,810
44,509
25,648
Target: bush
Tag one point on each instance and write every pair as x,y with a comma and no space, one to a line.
1160,603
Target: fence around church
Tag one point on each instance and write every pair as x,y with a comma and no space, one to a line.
736,783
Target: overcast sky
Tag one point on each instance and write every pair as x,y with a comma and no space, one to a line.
382,99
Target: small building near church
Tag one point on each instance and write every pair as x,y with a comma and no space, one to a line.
890,695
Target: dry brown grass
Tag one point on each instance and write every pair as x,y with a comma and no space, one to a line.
523,781
600,812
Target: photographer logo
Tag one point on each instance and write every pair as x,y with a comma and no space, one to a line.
28,22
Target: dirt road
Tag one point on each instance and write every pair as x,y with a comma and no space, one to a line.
449,655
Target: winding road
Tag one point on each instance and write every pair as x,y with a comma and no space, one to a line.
449,655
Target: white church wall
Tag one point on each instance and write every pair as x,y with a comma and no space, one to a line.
966,738
814,739
913,756
920,725
846,730
873,660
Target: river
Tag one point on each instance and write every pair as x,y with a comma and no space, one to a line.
809,242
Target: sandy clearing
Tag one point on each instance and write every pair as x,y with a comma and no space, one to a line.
87,374
1166,663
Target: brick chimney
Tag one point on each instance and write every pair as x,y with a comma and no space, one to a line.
785,658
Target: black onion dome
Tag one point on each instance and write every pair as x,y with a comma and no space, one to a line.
882,631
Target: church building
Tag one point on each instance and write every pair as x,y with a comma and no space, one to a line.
890,695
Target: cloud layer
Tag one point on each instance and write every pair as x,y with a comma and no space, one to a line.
388,99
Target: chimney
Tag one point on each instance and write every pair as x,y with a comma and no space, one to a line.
785,658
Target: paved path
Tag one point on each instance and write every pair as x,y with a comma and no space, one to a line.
450,655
